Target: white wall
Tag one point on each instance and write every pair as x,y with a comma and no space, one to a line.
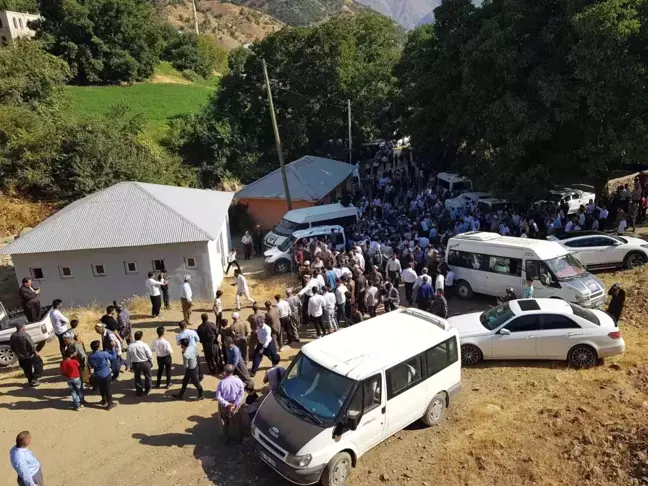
14,25
84,288
218,251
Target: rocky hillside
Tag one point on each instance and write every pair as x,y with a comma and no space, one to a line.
301,12
408,13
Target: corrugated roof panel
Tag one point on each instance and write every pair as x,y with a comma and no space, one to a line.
309,179
129,214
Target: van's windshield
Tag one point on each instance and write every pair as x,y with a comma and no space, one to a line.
286,244
565,267
313,392
286,227
462,186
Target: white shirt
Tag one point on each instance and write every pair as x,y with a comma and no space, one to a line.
409,275
284,309
361,260
186,291
622,226
161,347
231,257
393,265
246,240
241,283
440,282
264,334
604,214
449,278
329,302
316,305
59,321
153,287
340,294
138,352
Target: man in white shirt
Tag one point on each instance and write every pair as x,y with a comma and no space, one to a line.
283,307
603,216
439,283
316,310
329,317
140,359
231,260
265,347
59,323
341,301
241,289
418,282
623,224
186,299
409,277
162,349
394,269
448,284
360,258
247,245
153,290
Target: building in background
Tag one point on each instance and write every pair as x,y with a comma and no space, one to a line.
14,25
101,248
311,180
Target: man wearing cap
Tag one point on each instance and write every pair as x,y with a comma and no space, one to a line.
22,345
186,298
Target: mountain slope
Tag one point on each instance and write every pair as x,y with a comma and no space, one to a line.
408,13
300,12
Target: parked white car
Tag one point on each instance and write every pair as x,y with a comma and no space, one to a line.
574,198
41,332
546,329
460,202
597,250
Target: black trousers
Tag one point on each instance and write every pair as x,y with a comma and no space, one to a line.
156,304
32,367
394,277
62,345
164,365
165,296
408,291
229,265
247,251
143,368
191,375
105,388
317,323
213,357
258,248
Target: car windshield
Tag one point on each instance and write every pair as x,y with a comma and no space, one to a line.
286,244
497,316
462,186
555,197
585,314
314,390
565,267
286,228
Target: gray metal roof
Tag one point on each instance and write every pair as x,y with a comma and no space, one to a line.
309,179
129,214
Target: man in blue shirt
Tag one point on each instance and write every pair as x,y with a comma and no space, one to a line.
234,358
193,338
101,363
25,463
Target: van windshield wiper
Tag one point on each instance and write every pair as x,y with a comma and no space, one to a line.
309,412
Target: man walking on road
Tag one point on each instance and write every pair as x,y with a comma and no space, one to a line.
140,359
247,245
186,299
163,351
241,289
59,323
153,291
31,363
208,334
25,463
192,368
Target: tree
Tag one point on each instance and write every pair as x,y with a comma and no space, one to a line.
198,53
103,41
313,72
30,6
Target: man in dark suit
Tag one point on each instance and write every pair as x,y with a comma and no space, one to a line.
30,302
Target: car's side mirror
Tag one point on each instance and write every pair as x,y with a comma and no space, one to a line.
352,422
546,280
504,332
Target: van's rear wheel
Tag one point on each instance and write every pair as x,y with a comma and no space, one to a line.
7,356
464,290
337,470
436,410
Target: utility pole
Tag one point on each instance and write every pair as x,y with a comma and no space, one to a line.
350,143
277,137
193,3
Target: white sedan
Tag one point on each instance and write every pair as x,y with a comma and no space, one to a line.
550,329
598,250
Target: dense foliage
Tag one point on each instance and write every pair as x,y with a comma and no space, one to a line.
523,93
314,71
187,51
43,152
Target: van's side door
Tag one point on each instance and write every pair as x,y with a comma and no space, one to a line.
406,397
369,402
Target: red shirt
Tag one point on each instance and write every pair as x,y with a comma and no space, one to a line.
70,368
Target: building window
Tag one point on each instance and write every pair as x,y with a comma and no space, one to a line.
190,263
158,265
15,22
65,272
36,273
98,270
21,23
130,267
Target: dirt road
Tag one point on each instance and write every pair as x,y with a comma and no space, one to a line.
514,424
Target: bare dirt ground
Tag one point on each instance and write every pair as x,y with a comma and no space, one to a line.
514,424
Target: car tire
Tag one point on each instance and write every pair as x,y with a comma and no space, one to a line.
471,355
282,266
582,356
464,290
7,356
338,470
436,410
634,259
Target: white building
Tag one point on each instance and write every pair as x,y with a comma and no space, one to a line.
14,25
101,248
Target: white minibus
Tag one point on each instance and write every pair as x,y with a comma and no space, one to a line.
487,263
453,183
348,392
305,218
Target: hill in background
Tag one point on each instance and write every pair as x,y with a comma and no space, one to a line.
408,13
301,12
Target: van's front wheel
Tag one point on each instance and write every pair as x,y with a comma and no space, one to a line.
337,470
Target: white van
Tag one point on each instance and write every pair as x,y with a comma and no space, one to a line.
346,393
487,263
453,182
299,219
492,205
472,198
279,258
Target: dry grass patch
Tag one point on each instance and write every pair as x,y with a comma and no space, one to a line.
17,213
